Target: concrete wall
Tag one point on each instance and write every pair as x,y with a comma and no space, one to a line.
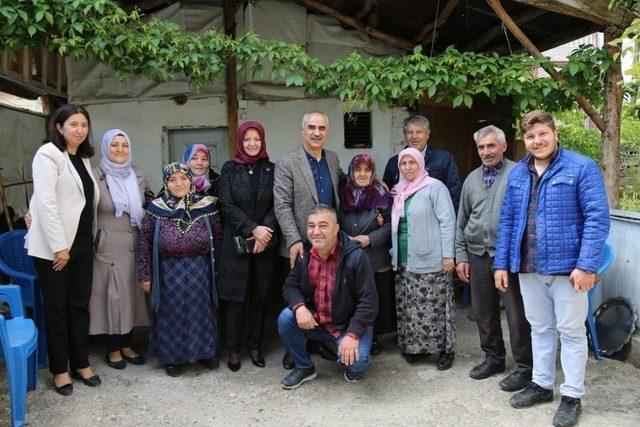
144,122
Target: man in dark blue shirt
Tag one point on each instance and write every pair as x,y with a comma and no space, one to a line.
439,163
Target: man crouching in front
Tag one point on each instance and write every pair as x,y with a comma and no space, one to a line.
331,296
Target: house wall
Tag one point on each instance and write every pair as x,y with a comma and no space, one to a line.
144,122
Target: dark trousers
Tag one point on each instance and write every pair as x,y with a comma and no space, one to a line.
485,303
115,342
249,313
66,310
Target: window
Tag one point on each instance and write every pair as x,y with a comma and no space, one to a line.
357,130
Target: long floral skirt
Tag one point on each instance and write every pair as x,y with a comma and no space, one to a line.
184,329
426,311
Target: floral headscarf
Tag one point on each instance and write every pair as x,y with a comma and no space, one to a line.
354,198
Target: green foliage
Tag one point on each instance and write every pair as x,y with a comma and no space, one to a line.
574,135
159,50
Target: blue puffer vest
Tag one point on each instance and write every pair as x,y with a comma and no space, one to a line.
572,220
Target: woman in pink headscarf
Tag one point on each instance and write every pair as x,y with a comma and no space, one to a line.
205,179
422,253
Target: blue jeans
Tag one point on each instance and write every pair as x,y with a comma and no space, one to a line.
295,340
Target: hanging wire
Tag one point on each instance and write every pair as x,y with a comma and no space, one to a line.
251,16
506,35
435,27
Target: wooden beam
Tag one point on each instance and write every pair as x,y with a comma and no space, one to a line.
591,10
524,40
425,34
488,13
44,66
352,22
485,38
366,7
231,78
612,111
5,61
26,64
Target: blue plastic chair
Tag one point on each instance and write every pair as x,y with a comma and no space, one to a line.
19,343
605,262
18,265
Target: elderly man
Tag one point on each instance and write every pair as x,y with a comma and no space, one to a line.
331,296
303,178
477,225
439,163
553,225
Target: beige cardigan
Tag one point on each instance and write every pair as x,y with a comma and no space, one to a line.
57,202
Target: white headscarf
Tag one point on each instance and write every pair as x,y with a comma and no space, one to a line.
121,180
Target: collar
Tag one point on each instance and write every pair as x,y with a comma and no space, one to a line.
496,168
310,157
334,252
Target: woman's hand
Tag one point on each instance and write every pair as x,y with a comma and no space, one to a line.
258,247
145,286
27,219
364,240
448,265
62,258
262,234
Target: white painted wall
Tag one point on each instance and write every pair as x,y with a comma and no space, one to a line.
144,122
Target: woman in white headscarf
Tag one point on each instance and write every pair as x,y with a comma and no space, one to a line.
117,304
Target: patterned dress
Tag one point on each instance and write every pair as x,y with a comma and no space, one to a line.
185,327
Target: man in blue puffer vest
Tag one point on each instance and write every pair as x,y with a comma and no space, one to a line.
553,225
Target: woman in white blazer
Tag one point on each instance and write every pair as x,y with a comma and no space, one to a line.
60,240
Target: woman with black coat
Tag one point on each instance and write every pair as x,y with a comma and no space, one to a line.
249,249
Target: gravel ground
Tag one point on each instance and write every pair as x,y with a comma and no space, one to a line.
392,393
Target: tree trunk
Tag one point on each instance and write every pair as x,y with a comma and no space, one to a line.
612,110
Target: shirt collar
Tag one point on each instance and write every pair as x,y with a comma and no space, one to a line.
310,157
496,168
334,252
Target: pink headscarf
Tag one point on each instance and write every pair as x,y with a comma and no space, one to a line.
404,188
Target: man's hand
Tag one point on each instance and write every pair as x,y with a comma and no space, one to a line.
581,280
364,240
296,250
462,268
448,265
145,286
348,350
501,278
305,318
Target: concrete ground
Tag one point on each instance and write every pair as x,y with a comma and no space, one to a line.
392,393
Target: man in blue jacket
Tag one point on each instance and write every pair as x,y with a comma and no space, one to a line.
439,163
553,225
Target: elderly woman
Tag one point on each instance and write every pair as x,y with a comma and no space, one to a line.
422,236
60,240
117,304
246,201
205,179
180,237
366,217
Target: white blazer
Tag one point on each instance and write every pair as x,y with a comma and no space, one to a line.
57,202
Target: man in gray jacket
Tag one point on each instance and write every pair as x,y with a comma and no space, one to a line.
476,230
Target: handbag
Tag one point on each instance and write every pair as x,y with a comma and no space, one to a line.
245,247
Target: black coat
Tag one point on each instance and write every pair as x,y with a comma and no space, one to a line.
243,211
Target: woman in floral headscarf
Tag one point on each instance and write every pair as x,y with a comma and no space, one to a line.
366,217
205,179
181,236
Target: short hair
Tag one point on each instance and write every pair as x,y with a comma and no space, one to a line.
534,117
489,130
416,119
306,117
85,149
320,207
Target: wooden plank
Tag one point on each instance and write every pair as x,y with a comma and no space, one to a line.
352,22
231,78
593,114
488,36
26,65
5,61
591,10
59,60
612,111
44,66
425,34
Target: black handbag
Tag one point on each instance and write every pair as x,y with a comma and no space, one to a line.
245,247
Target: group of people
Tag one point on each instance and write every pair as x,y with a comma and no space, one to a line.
359,257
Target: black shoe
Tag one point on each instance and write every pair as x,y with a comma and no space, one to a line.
445,360
486,369
298,376
516,381
321,349
234,361
531,395
375,348
174,370
120,364
256,358
353,377
415,357
65,390
568,412
93,381
287,362
212,363
138,360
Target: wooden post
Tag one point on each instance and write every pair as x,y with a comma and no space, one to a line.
593,114
231,80
612,111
